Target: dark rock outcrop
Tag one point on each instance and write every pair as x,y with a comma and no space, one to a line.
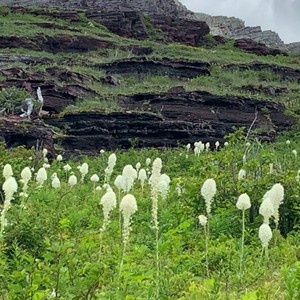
16,132
251,46
185,31
167,119
129,24
172,67
55,44
268,90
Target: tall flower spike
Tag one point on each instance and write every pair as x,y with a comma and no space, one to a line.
108,202
208,191
128,207
276,195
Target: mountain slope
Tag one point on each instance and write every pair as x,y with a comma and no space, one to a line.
150,88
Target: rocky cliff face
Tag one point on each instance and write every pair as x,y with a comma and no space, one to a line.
235,28
166,7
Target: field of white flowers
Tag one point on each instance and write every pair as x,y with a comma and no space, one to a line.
201,221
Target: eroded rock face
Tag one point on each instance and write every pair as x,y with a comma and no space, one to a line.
129,24
55,44
172,67
251,46
17,132
185,31
168,119
56,97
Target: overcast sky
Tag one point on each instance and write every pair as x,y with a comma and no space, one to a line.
282,16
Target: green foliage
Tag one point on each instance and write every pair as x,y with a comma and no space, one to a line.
11,99
52,244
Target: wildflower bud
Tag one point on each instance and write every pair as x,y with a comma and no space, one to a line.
202,220
188,147
138,166
102,151
288,142
295,152
59,157
226,144
98,188
243,202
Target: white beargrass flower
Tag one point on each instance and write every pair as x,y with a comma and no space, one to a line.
288,142
67,168
59,157
72,180
142,176
243,202
266,208
98,188
108,202
94,178
102,151
295,152
217,145
9,187
138,166
83,169
110,167
25,177
202,220
119,183
129,174
46,160
45,152
265,234
188,147
208,191
148,161
226,144
46,166
41,176
164,185
154,183
55,182
276,195
242,174
7,171
207,146
128,207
